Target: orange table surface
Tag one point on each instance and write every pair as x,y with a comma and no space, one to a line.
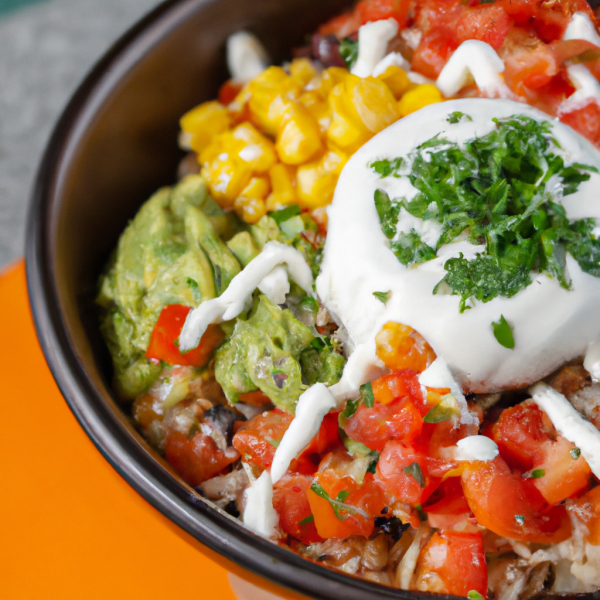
70,526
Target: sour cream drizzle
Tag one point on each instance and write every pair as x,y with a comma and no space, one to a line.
569,423
474,61
551,325
233,300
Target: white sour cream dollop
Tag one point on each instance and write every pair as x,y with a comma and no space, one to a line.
550,324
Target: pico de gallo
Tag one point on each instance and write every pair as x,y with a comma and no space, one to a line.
472,489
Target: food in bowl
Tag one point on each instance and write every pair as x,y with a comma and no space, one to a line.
364,320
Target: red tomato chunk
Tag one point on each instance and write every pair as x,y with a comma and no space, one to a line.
166,332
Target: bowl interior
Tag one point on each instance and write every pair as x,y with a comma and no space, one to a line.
115,145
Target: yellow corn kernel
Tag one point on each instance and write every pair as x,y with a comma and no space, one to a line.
258,187
202,123
318,109
250,210
299,137
302,70
283,186
374,103
263,89
346,130
316,180
226,176
330,78
421,96
254,148
397,80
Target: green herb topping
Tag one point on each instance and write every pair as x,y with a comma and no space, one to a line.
385,167
439,414
473,595
456,116
342,511
279,216
520,519
537,473
498,192
306,521
382,296
503,333
414,470
366,391
348,50
351,407
575,453
195,290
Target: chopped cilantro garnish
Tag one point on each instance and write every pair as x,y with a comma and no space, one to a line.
348,50
308,520
503,333
474,595
338,503
274,443
520,519
409,249
456,116
195,290
372,468
385,167
366,391
414,470
537,473
439,414
351,407
575,453
382,296
496,191
321,342
279,216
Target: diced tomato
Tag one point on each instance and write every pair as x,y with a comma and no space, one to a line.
457,558
487,22
405,472
327,437
438,13
520,433
228,91
374,426
549,97
529,63
375,10
511,506
520,11
197,459
166,332
256,398
586,121
366,501
258,438
399,384
290,500
433,51
562,476
527,440
587,509
449,499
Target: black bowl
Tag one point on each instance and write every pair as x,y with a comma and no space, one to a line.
113,146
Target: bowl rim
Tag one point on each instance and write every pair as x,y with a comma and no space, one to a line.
174,499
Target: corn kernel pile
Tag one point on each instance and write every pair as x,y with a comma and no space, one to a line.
288,133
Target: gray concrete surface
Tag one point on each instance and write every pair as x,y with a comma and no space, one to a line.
45,51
